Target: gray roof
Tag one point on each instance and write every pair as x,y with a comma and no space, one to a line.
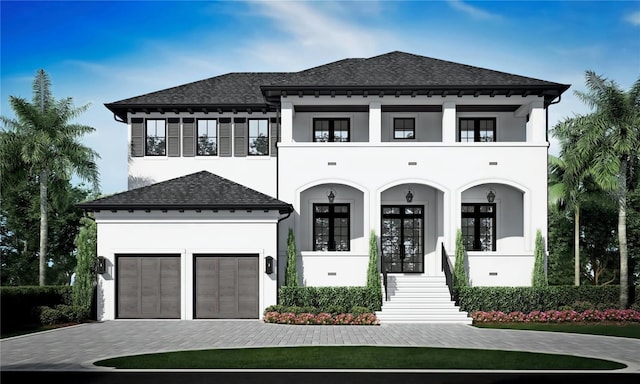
404,69
200,190
391,73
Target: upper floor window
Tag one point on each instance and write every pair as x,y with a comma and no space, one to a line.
259,137
404,128
330,227
207,144
156,138
477,130
331,130
479,227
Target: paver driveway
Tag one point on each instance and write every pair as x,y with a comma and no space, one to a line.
76,348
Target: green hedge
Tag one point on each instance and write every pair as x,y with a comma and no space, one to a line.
327,297
20,304
528,299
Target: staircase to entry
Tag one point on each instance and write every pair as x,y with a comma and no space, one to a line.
420,299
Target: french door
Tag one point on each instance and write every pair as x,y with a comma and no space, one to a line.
402,238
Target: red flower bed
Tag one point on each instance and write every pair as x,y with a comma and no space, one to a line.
320,319
566,316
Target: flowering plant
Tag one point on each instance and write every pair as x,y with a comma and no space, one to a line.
320,319
553,316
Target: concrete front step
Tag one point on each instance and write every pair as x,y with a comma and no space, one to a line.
420,299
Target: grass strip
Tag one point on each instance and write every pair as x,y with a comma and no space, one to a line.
630,330
358,357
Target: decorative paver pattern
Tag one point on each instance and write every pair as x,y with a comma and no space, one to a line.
76,348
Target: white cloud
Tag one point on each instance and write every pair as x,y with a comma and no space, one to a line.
633,18
312,33
474,12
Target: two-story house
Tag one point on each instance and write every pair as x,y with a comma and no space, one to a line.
411,147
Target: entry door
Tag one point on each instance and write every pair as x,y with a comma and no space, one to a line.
402,238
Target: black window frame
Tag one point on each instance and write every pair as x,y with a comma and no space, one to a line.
396,129
476,129
477,215
147,136
198,153
331,128
249,137
331,215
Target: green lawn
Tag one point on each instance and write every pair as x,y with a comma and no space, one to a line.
357,357
631,330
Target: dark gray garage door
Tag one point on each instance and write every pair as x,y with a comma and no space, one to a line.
226,287
148,286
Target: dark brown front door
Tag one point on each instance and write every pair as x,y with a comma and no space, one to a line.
226,287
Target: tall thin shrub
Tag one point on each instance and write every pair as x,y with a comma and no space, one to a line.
86,245
539,276
291,274
459,273
373,275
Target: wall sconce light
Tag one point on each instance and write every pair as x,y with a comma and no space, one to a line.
101,266
268,265
331,195
409,196
491,196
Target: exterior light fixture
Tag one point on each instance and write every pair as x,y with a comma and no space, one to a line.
409,196
268,265
491,196
331,196
101,265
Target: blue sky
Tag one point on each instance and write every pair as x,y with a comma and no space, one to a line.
103,51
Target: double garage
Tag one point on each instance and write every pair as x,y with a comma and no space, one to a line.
224,286
194,247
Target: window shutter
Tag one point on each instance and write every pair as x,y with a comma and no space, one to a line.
188,137
137,137
224,139
240,144
274,132
173,137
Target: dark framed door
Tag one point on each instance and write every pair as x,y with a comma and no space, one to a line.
148,286
402,238
226,286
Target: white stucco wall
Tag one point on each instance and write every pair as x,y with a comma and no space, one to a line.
443,174
185,233
375,169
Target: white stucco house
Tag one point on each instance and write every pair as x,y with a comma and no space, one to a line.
411,147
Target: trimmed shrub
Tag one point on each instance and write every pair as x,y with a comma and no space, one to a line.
291,274
459,274
325,297
373,274
539,275
529,299
20,304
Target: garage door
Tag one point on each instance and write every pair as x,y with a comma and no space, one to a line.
226,287
148,286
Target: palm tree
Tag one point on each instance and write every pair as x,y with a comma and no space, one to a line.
563,193
48,145
608,144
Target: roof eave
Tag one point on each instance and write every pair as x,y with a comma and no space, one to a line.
550,91
90,207
122,110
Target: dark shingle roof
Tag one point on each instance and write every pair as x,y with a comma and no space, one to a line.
394,72
201,190
404,69
229,89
